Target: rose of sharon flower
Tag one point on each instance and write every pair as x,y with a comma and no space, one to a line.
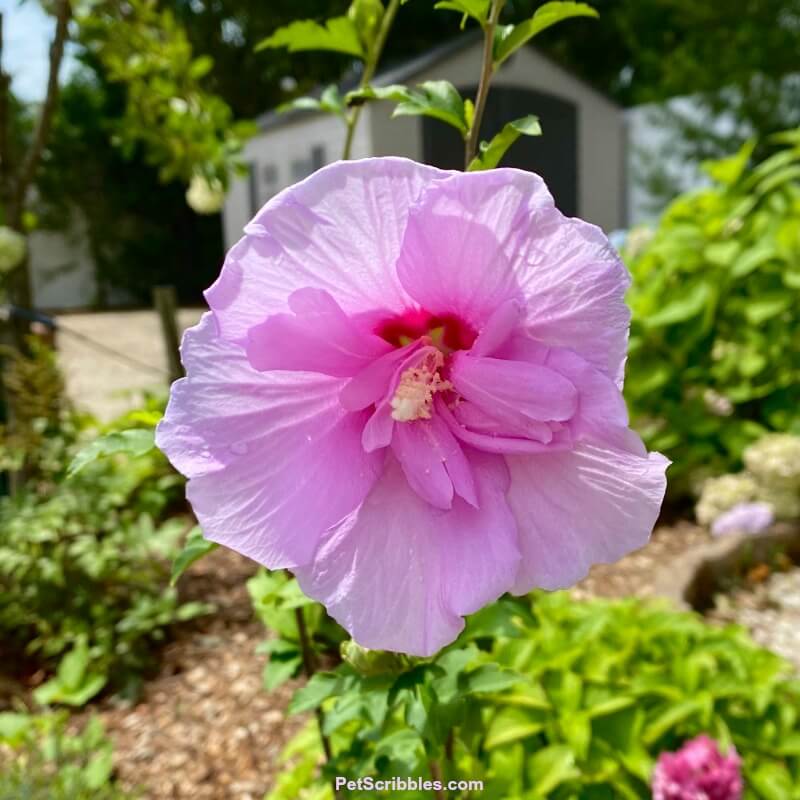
698,771
407,392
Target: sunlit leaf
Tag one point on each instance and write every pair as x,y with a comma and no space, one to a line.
329,102
493,151
509,38
476,9
339,34
135,442
194,549
437,99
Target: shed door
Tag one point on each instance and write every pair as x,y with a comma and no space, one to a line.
553,155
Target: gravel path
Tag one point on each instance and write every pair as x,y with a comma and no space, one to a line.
110,359
770,610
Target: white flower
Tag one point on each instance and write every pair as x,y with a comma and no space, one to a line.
722,494
12,248
785,502
204,196
775,460
717,403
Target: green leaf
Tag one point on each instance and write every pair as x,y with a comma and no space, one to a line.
279,670
492,152
765,307
549,767
489,678
403,746
437,99
98,770
201,66
510,38
135,442
511,725
319,688
477,9
728,170
687,305
672,716
338,34
772,781
329,102
194,549
14,727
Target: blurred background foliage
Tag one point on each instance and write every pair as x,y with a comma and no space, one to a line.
737,57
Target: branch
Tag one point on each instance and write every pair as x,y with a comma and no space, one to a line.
31,163
487,67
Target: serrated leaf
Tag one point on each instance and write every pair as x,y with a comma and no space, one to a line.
135,442
476,9
319,688
338,34
329,102
493,151
437,99
510,38
279,670
195,547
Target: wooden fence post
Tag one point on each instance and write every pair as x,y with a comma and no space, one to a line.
165,301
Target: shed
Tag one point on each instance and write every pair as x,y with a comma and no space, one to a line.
581,154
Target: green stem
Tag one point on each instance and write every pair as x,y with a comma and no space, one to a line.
487,69
370,65
310,667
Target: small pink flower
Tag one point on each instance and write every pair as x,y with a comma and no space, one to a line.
408,393
698,771
750,518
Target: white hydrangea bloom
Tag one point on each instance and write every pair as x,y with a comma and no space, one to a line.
775,460
722,494
12,248
204,196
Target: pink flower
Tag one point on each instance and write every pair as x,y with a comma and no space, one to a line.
408,393
698,771
750,518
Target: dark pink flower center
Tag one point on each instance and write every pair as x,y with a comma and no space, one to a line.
447,331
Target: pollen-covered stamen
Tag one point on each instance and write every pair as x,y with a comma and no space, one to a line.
413,398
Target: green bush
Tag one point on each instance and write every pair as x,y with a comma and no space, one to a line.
84,567
548,697
714,356
41,760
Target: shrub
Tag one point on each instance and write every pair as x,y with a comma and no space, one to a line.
84,569
714,359
41,760
548,697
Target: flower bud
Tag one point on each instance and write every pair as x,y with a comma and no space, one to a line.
204,196
366,15
372,662
12,248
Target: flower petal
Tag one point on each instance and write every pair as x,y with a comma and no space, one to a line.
476,240
338,230
398,574
318,337
590,505
515,392
273,459
433,462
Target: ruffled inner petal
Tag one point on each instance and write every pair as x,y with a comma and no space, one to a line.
317,337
